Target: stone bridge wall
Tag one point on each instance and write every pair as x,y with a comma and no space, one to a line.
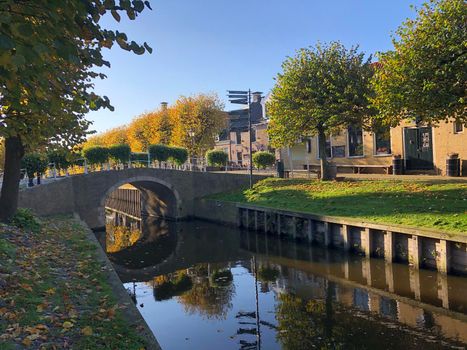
85,194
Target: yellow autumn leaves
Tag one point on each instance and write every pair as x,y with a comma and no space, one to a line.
191,122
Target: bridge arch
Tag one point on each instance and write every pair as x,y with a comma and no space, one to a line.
159,198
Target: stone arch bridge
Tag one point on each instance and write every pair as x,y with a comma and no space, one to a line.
164,192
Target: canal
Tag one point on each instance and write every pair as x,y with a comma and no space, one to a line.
201,285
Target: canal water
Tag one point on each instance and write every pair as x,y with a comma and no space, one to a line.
206,286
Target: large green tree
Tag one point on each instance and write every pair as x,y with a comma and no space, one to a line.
320,90
425,76
48,53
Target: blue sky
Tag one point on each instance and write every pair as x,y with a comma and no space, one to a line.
215,45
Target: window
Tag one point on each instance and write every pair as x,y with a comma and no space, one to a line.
239,158
239,137
308,145
355,141
382,138
253,135
328,147
338,151
458,127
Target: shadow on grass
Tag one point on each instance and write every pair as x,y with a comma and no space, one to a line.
443,209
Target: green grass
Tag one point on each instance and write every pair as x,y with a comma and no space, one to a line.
438,205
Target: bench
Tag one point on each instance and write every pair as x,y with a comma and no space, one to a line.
360,168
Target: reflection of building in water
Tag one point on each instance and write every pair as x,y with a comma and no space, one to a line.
125,200
417,298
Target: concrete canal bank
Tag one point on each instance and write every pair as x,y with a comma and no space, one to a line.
418,247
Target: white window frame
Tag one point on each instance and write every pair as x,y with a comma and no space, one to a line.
374,146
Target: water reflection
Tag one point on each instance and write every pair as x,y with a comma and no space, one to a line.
205,286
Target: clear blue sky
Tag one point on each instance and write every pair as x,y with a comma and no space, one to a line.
215,45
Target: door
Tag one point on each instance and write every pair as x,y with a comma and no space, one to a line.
418,148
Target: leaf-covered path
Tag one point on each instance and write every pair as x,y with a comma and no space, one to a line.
54,292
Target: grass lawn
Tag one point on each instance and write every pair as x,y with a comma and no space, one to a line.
54,293
438,205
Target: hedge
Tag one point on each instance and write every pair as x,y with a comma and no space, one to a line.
120,153
263,159
34,163
159,152
178,155
96,154
217,158
60,157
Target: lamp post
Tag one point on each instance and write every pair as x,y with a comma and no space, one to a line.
244,98
191,133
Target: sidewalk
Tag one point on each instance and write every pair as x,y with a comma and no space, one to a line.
303,174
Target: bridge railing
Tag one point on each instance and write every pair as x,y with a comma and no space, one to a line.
81,166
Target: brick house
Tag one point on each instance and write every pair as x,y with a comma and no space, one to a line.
424,149
235,139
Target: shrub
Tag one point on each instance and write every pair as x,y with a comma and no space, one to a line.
34,163
221,278
159,152
25,219
263,159
96,154
178,155
120,153
217,158
60,157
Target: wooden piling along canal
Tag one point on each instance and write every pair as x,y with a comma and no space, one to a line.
420,248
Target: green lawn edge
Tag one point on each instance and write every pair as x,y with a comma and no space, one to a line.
441,206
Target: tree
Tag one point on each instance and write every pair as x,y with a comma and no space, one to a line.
96,155
120,153
178,155
425,76
321,89
217,158
34,164
2,154
60,158
143,132
197,120
48,52
263,159
159,152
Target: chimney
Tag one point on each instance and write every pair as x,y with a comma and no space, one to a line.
164,106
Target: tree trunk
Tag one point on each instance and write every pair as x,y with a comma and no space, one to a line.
325,173
14,152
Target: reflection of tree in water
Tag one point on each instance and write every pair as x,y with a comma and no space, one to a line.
305,324
120,237
212,292
170,285
267,274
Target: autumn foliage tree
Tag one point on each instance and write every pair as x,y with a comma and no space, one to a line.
320,90
49,50
196,121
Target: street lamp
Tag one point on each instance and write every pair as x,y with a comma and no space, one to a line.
191,133
244,98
